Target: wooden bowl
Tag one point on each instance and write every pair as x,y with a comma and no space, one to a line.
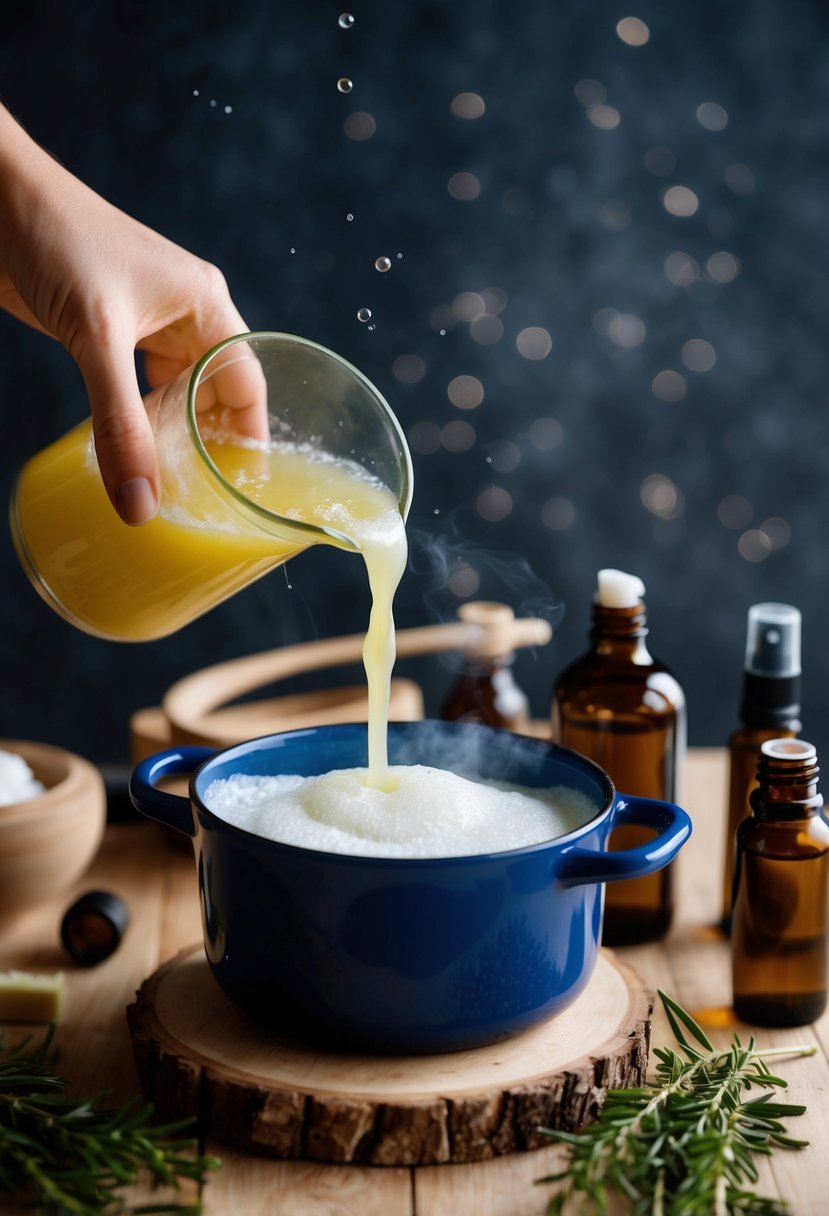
47,842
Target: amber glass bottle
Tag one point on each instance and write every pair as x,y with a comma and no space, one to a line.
778,934
624,709
485,689
770,710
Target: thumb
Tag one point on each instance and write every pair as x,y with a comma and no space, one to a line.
124,443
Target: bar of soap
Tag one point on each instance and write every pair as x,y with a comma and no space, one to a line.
25,997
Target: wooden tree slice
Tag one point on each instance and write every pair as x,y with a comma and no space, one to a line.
198,1055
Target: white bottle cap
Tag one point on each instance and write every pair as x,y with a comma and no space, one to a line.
619,590
789,749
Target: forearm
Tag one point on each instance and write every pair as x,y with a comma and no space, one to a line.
29,177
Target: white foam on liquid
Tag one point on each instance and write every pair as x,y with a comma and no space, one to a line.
424,812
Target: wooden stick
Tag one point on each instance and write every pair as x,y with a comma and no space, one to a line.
188,702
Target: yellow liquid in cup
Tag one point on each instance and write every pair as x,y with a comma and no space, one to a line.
135,584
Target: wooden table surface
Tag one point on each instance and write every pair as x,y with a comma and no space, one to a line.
157,878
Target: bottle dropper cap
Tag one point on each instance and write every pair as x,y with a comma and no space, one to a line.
92,927
772,664
498,632
619,590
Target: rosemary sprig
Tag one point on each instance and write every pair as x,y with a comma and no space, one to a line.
684,1145
69,1156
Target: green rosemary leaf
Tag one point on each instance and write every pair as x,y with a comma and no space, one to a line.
788,1141
686,1145
675,1014
69,1156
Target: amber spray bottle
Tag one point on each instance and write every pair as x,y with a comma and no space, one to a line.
624,709
770,710
778,935
485,689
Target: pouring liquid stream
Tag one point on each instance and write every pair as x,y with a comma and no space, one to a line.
137,584
343,497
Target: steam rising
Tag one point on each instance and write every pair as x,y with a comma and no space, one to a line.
453,569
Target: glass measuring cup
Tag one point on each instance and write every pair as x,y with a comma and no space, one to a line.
219,527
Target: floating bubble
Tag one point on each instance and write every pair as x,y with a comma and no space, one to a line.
735,511
371,328
465,392
400,257
558,514
534,342
424,438
468,105
228,109
712,116
722,266
293,250
494,504
458,436
590,92
626,330
778,532
363,314
506,455
754,545
661,496
660,161
698,355
486,330
345,85
345,22
465,187
408,369
360,125
213,101
464,581
195,92
669,386
604,117
739,179
680,200
680,268
349,217
545,433
467,305
633,31
382,264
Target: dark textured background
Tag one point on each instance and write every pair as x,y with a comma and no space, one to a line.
570,222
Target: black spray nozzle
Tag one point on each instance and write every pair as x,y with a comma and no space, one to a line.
773,641
771,684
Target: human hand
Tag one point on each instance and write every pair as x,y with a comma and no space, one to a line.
104,285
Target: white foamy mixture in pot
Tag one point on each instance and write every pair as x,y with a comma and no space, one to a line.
422,812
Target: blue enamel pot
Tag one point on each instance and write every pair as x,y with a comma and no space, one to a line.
404,955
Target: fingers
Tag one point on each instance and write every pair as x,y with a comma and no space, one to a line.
235,381
124,442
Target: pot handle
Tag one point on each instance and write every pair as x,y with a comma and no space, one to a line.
580,866
170,809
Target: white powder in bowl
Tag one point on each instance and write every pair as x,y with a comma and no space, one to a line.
17,781
424,812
